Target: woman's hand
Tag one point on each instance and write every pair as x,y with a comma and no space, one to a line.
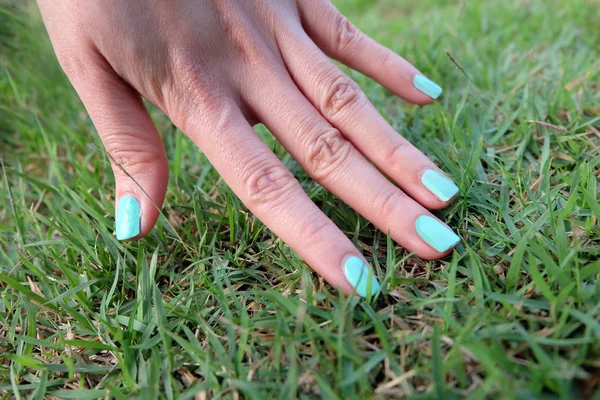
216,67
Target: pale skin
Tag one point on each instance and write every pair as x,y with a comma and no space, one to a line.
218,67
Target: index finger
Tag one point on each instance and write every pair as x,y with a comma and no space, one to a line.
339,39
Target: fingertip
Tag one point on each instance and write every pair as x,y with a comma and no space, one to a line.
433,256
422,100
443,189
437,205
138,205
428,200
361,277
429,253
427,87
128,218
437,235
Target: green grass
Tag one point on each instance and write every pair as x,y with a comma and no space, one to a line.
221,308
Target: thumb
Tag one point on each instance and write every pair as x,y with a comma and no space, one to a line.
136,150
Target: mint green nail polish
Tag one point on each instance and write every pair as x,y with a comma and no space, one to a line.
361,276
436,234
427,86
128,218
439,185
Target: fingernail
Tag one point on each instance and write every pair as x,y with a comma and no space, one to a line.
442,187
361,277
128,218
436,234
427,86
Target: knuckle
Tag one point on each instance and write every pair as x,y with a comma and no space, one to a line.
342,97
72,65
268,185
248,48
386,60
396,153
345,34
387,203
191,80
194,88
130,154
314,229
79,66
241,36
327,151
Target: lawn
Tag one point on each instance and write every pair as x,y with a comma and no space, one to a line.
212,305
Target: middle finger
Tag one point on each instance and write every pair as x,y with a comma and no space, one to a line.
336,164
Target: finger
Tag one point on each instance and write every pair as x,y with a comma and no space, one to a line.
336,164
272,193
135,148
345,106
341,40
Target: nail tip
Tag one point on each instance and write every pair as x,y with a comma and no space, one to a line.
435,234
126,236
440,185
374,290
126,233
450,194
434,94
452,244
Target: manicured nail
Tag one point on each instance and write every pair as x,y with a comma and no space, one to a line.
436,234
427,86
128,218
361,277
442,187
